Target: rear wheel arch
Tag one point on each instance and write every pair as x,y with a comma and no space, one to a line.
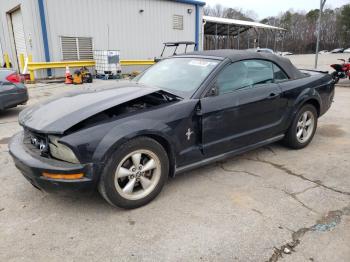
312,101
309,95
302,102
315,103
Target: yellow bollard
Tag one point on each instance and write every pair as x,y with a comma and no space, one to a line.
31,72
21,61
7,60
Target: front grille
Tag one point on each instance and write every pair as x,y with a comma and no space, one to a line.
36,143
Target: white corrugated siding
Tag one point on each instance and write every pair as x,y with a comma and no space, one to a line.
119,25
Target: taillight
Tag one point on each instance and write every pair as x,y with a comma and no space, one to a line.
14,78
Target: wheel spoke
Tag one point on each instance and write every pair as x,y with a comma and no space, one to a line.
304,133
136,159
299,133
300,123
304,117
151,164
145,182
308,122
123,172
129,186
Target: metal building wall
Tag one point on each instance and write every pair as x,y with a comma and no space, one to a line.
32,29
119,24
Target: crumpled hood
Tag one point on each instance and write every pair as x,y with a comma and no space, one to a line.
57,115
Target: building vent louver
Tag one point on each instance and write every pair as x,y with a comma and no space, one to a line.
76,48
178,22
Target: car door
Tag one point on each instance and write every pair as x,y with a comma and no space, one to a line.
242,108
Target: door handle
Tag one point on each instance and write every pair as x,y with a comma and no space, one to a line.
272,95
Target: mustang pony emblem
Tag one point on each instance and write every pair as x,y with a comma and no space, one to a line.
189,133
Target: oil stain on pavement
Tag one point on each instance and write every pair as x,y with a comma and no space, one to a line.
5,140
330,131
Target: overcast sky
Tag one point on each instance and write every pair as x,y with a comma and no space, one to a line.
266,8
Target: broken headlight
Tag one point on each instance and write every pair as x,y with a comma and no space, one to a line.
61,151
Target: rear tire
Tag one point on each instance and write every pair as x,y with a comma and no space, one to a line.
135,173
303,128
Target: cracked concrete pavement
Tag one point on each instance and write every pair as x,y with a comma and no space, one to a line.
254,207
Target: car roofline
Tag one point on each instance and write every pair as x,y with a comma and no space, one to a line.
220,58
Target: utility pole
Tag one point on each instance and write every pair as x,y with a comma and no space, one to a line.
274,41
322,3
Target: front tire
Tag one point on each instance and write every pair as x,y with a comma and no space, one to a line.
135,173
303,128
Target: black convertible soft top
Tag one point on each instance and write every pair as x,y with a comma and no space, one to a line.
238,55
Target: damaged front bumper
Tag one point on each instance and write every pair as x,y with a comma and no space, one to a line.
34,166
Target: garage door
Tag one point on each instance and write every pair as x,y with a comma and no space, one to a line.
18,33
1,56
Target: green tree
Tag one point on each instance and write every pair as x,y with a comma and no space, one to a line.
312,15
344,24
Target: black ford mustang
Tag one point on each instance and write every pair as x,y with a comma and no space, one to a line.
181,113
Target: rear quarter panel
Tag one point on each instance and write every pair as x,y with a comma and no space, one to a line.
314,86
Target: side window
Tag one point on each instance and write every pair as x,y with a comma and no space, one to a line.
243,75
233,77
259,71
278,74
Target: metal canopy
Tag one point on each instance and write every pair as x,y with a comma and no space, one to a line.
224,26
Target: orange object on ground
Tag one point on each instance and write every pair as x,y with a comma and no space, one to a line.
69,79
77,77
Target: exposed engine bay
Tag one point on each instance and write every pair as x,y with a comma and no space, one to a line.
141,103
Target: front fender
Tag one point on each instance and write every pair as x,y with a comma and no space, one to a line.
128,130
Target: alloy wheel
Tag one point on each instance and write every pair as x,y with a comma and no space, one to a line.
137,174
305,126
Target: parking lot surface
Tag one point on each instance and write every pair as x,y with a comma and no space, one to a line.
266,205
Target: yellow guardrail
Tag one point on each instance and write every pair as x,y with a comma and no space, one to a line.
32,66
136,62
61,64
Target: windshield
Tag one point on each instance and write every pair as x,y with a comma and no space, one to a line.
181,76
